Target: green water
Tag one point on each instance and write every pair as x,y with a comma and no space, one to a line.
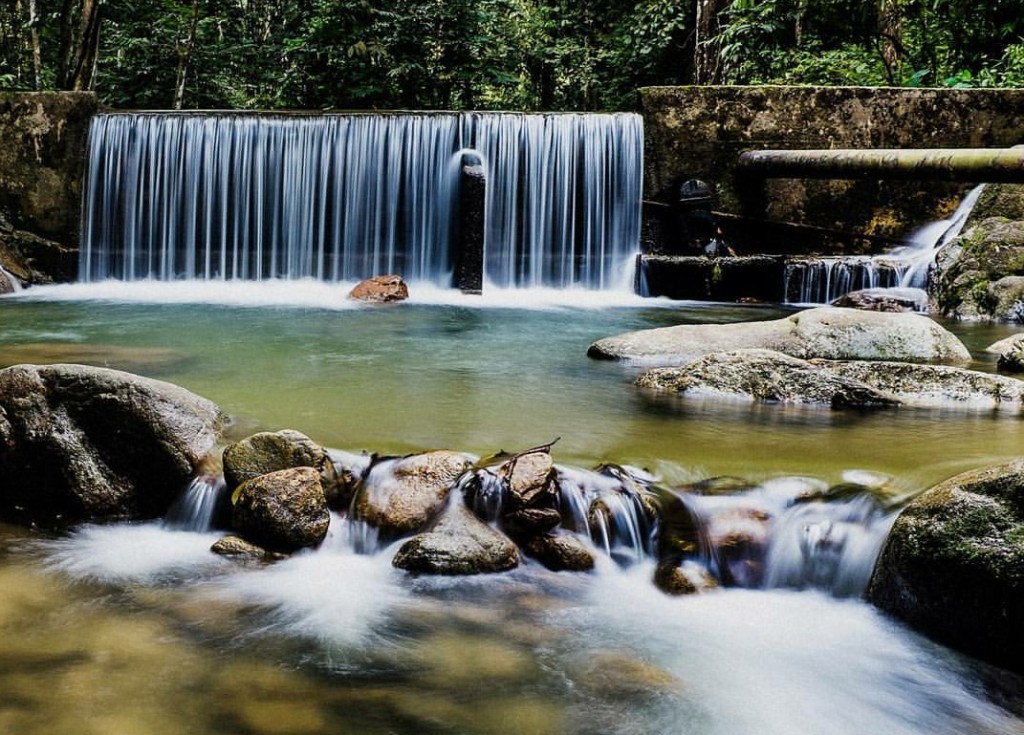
483,379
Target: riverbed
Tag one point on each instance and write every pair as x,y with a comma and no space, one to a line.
139,629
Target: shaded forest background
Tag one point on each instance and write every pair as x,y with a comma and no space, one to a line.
492,54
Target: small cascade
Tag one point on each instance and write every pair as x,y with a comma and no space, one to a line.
921,248
823,280
608,507
10,279
791,533
344,197
196,509
827,546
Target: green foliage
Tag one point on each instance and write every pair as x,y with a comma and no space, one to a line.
500,54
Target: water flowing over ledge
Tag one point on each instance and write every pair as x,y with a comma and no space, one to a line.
344,197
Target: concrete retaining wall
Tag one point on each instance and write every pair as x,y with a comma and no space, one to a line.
700,132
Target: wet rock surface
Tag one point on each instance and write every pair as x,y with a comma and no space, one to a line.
458,544
272,451
953,565
763,375
767,376
282,511
560,553
380,290
894,300
81,443
400,496
828,332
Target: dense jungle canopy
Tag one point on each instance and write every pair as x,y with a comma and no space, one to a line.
492,54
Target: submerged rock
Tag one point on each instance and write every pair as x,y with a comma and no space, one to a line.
457,544
953,565
271,451
282,511
763,375
380,290
895,300
560,553
85,443
238,549
827,332
400,496
688,578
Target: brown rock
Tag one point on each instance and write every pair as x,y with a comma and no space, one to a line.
282,511
559,553
380,290
459,543
400,496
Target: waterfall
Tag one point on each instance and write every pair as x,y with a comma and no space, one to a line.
196,509
341,197
822,280
921,248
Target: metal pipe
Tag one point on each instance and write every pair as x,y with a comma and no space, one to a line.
1004,165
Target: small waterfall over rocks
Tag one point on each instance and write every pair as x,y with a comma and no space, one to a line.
341,197
822,280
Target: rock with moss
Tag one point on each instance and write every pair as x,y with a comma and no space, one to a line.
686,578
763,375
933,386
826,332
458,543
980,275
281,511
401,496
271,451
84,443
953,565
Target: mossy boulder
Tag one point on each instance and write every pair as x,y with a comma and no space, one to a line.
281,511
271,451
85,443
980,275
953,565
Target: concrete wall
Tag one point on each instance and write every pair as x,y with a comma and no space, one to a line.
42,158
700,132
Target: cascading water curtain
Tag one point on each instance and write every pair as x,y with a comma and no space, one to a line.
343,197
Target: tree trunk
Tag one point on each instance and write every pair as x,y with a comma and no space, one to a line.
707,59
890,31
185,51
79,43
37,57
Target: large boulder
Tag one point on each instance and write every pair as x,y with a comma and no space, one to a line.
401,496
980,275
281,511
953,565
826,332
933,386
458,544
763,375
84,443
